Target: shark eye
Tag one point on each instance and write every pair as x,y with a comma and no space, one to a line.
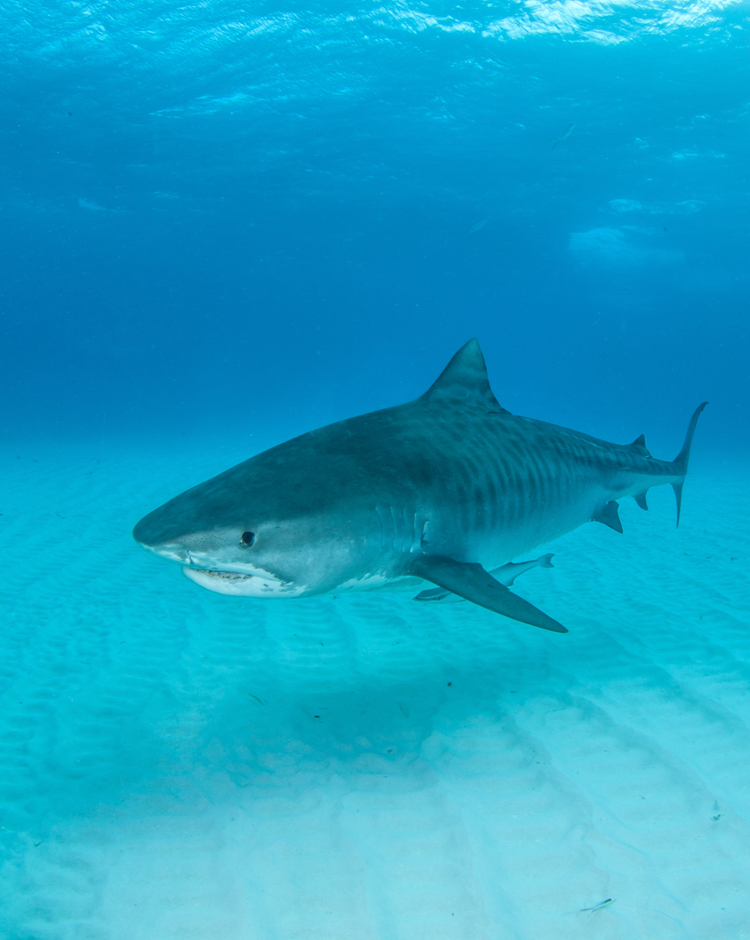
247,538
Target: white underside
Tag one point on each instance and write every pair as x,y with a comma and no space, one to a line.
263,584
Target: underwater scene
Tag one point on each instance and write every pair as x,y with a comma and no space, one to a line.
343,347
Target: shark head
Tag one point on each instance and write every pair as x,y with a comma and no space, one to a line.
261,529
339,508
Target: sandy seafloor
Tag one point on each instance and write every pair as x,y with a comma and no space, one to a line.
179,764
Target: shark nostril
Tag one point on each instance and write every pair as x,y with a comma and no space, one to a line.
247,538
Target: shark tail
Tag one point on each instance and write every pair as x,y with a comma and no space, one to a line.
680,463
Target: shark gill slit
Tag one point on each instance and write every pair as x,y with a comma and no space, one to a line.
395,528
379,514
415,538
424,540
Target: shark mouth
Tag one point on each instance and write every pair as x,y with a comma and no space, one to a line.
237,584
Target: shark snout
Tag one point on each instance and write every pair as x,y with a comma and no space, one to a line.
152,533
178,540
152,536
184,554
172,552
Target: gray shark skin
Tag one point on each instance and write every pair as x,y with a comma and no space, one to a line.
440,489
505,574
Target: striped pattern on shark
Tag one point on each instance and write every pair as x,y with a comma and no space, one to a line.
441,490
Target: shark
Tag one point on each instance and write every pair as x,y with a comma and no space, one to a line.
505,574
438,494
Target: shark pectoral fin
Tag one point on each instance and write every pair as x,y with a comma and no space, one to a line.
640,498
506,575
608,515
473,583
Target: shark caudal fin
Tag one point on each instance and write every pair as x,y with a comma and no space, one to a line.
680,463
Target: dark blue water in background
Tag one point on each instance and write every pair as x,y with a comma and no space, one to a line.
261,218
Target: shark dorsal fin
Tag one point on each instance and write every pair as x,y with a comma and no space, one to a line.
639,446
464,380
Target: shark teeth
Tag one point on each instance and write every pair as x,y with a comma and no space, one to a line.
239,584
228,575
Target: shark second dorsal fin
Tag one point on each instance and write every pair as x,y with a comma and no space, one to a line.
465,380
639,446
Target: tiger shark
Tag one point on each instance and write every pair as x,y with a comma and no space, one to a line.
442,489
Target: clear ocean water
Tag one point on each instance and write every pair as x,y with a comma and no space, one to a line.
227,224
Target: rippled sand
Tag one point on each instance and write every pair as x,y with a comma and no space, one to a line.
179,764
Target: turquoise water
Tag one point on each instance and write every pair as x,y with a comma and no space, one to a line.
223,226
183,764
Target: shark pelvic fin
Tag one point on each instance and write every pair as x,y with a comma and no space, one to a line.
505,574
473,583
640,498
608,515
464,380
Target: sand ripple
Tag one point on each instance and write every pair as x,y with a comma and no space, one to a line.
178,764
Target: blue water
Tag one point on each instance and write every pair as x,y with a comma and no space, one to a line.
223,225
262,218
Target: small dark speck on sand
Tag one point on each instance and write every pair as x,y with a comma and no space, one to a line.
316,716
716,818
450,683
597,907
